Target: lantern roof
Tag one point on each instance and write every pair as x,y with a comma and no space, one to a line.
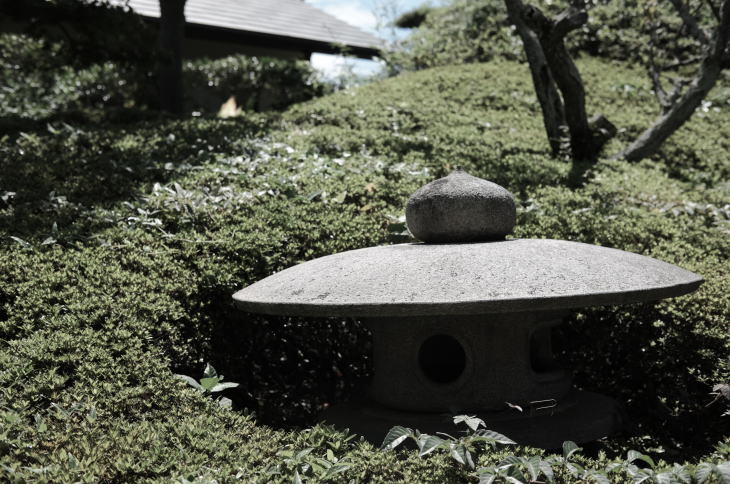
465,267
467,278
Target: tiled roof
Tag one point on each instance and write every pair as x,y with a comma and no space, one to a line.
281,18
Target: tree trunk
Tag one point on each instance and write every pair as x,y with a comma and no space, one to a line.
567,77
650,140
551,104
712,65
169,69
551,33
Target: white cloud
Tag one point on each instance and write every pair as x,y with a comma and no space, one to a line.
353,12
355,15
361,14
330,65
333,66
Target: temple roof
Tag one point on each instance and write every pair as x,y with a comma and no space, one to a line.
294,21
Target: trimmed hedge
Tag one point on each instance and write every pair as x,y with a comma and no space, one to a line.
40,83
121,244
258,84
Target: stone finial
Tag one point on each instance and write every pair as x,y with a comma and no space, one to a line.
460,208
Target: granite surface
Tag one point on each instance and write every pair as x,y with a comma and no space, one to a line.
460,208
504,357
470,278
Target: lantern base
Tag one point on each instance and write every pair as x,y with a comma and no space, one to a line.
581,417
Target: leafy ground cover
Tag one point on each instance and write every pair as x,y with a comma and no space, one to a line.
122,239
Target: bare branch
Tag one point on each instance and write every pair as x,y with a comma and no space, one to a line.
654,71
690,21
679,85
722,34
602,128
684,106
661,95
681,63
570,19
535,19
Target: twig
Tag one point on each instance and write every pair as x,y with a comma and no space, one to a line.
681,63
715,11
654,73
690,21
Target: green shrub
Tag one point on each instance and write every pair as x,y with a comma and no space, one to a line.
82,33
121,244
463,31
258,84
478,31
39,84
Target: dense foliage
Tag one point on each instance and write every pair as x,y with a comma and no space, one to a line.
121,241
466,31
84,32
40,83
258,84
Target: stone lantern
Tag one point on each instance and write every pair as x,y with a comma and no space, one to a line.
461,322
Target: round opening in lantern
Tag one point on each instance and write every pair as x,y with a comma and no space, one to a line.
441,358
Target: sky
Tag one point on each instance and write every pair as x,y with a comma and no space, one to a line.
370,16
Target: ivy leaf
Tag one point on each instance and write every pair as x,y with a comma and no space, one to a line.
222,386
20,241
513,480
336,469
682,474
209,371
723,389
303,453
634,455
598,477
458,453
510,460
547,470
722,471
472,422
461,454
428,443
297,479
396,436
574,469
487,478
496,437
569,448
516,473
533,467
191,381
703,472
209,383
